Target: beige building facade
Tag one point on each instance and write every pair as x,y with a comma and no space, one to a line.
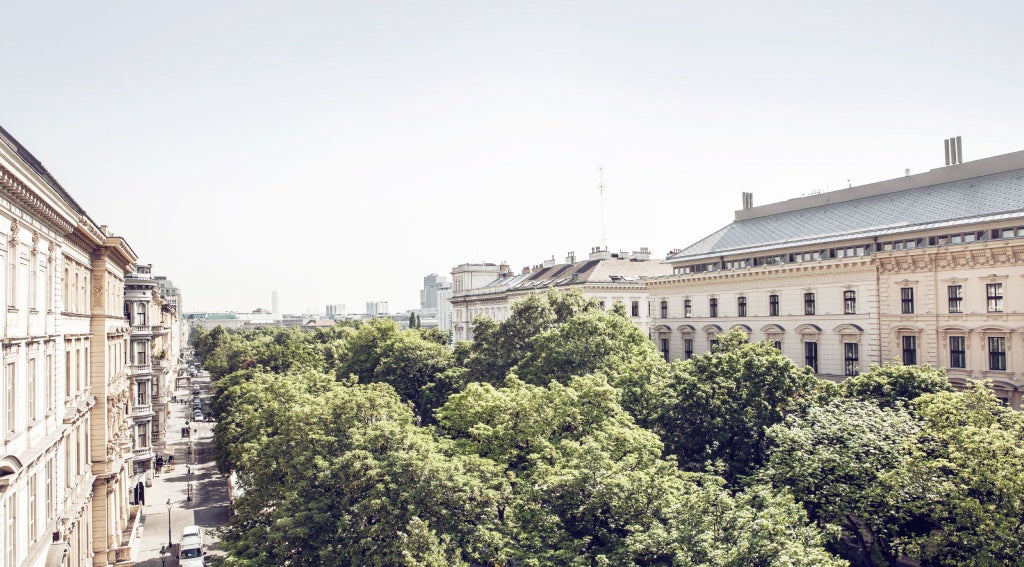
924,269
67,446
606,277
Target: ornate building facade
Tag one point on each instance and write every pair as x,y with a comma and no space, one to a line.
69,430
606,277
922,269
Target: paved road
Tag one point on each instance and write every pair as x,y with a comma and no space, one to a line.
209,504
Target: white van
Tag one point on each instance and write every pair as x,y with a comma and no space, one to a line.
192,552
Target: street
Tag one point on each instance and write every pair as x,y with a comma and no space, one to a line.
208,506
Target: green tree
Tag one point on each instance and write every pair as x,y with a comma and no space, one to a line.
342,477
837,461
716,408
497,347
965,482
892,384
590,487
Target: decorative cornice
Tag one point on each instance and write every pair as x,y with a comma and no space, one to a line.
27,198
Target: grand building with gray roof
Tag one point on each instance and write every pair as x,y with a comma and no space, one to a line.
922,269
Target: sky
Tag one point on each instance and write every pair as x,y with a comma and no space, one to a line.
337,152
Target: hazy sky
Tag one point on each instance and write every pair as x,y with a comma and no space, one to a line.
338,152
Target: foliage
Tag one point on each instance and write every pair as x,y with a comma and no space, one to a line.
497,347
964,478
590,487
836,461
894,383
715,408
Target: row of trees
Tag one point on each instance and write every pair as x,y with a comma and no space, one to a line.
561,437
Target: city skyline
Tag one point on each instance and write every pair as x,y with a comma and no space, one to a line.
337,154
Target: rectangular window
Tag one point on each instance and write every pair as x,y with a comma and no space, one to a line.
68,390
664,348
773,305
994,291
850,302
33,485
664,309
33,400
49,489
11,531
808,304
687,308
687,349
777,345
48,372
907,300
811,355
636,309
713,307
12,274
956,298
851,357
142,438
713,345
601,304
958,352
741,306
997,353
9,399
32,279
909,350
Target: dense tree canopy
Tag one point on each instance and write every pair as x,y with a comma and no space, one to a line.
560,436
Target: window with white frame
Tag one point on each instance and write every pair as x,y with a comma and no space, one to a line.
994,293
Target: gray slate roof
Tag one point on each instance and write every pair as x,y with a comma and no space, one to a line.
967,201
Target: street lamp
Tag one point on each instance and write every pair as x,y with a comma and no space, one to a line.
169,544
163,555
188,473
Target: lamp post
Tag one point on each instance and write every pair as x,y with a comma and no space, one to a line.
188,474
169,544
163,555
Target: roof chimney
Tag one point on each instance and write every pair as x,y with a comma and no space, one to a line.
570,258
748,200
549,262
954,151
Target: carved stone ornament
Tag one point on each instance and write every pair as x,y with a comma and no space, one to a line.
97,295
14,230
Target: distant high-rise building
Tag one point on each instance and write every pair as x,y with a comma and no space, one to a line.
274,307
428,295
335,309
376,308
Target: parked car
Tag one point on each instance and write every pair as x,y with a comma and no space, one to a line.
197,415
193,549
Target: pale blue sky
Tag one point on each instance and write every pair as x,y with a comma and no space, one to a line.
338,152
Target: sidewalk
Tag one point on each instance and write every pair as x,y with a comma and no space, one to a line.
209,504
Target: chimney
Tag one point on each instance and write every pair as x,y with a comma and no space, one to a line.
643,254
748,200
570,258
526,270
504,270
599,253
549,262
954,151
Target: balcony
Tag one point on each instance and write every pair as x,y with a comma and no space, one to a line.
142,454
142,411
142,330
123,549
137,369
160,330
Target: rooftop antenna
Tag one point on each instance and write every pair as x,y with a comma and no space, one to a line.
600,186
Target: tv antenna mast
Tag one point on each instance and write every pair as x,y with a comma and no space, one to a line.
600,187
